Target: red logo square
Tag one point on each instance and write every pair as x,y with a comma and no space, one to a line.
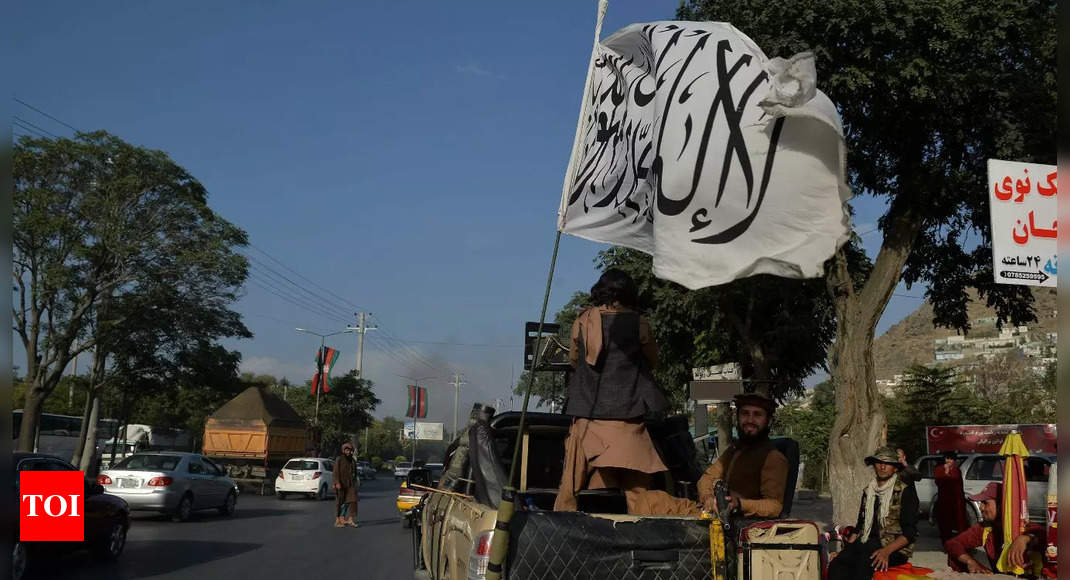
51,506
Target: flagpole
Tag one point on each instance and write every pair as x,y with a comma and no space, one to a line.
319,381
499,543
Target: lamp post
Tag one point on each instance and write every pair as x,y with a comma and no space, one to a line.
319,364
415,382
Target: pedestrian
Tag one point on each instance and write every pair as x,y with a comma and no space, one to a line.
613,353
950,509
346,482
887,524
1025,551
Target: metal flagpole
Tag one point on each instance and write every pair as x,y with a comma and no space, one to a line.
319,380
499,545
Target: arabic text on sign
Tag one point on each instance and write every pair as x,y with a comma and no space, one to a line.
1032,230
1006,188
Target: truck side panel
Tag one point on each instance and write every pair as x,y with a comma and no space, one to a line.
572,545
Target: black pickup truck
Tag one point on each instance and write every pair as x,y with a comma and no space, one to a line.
452,540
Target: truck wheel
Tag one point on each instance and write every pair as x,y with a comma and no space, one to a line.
185,509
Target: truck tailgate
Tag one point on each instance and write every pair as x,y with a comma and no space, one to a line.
573,545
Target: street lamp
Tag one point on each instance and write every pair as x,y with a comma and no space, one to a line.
319,364
415,382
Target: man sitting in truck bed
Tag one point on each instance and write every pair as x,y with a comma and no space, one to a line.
756,473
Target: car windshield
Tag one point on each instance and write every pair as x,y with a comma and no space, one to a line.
302,465
405,465
149,463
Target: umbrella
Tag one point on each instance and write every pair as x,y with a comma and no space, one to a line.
1014,508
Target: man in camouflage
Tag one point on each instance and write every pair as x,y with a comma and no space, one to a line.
887,522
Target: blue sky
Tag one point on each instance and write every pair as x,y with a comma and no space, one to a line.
407,157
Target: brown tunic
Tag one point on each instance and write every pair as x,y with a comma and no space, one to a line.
758,473
344,475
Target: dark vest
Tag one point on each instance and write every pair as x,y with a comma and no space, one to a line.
743,468
621,384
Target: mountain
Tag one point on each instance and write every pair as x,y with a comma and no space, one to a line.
910,341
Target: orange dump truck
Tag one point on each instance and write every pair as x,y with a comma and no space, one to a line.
253,435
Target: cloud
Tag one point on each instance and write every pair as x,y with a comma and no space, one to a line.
473,69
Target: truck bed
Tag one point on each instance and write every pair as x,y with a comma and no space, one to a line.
575,545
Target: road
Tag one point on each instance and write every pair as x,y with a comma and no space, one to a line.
266,538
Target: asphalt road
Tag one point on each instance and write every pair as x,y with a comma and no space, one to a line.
265,539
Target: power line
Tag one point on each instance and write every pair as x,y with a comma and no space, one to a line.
296,300
298,274
24,122
293,302
64,123
302,288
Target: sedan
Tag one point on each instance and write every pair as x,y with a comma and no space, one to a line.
107,520
312,476
171,482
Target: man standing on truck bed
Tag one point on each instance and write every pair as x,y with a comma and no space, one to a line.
612,388
755,472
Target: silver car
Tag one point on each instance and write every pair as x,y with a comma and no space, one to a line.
171,482
978,469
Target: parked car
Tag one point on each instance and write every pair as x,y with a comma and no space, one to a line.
312,476
978,469
409,496
401,469
365,470
107,520
171,482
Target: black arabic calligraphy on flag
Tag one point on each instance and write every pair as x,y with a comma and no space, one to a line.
696,148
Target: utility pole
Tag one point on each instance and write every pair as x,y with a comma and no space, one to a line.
457,382
361,329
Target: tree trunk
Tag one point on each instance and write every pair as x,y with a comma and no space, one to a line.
77,456
860,425
31,416
90,447
724,427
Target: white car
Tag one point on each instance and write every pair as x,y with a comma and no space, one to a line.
312,476
401,469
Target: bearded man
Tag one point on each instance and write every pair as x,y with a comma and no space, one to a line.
754,471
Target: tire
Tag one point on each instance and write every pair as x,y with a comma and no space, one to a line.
281,495
110,548
184,509
20,561
229,505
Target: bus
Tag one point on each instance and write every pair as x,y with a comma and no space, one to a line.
58,434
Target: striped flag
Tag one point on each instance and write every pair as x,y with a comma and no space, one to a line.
323,380
417,403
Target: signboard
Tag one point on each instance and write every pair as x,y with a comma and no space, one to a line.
989,438
728,371
554,355
1023,205
422,431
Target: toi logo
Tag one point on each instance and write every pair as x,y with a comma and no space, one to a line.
51,506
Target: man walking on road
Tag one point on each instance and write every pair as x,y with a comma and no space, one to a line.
346,482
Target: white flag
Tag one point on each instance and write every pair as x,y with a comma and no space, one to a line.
697,149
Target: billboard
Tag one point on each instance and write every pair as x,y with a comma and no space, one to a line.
1039,439
422,431
1023,206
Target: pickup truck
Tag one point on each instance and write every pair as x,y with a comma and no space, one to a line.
453,536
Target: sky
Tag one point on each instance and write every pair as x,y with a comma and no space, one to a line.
398,158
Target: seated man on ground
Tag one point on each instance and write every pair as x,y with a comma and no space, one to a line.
987,534
754,471
887,522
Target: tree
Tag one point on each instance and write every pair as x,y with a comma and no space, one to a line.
98,220
343,411
928,91
927,396
808,420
